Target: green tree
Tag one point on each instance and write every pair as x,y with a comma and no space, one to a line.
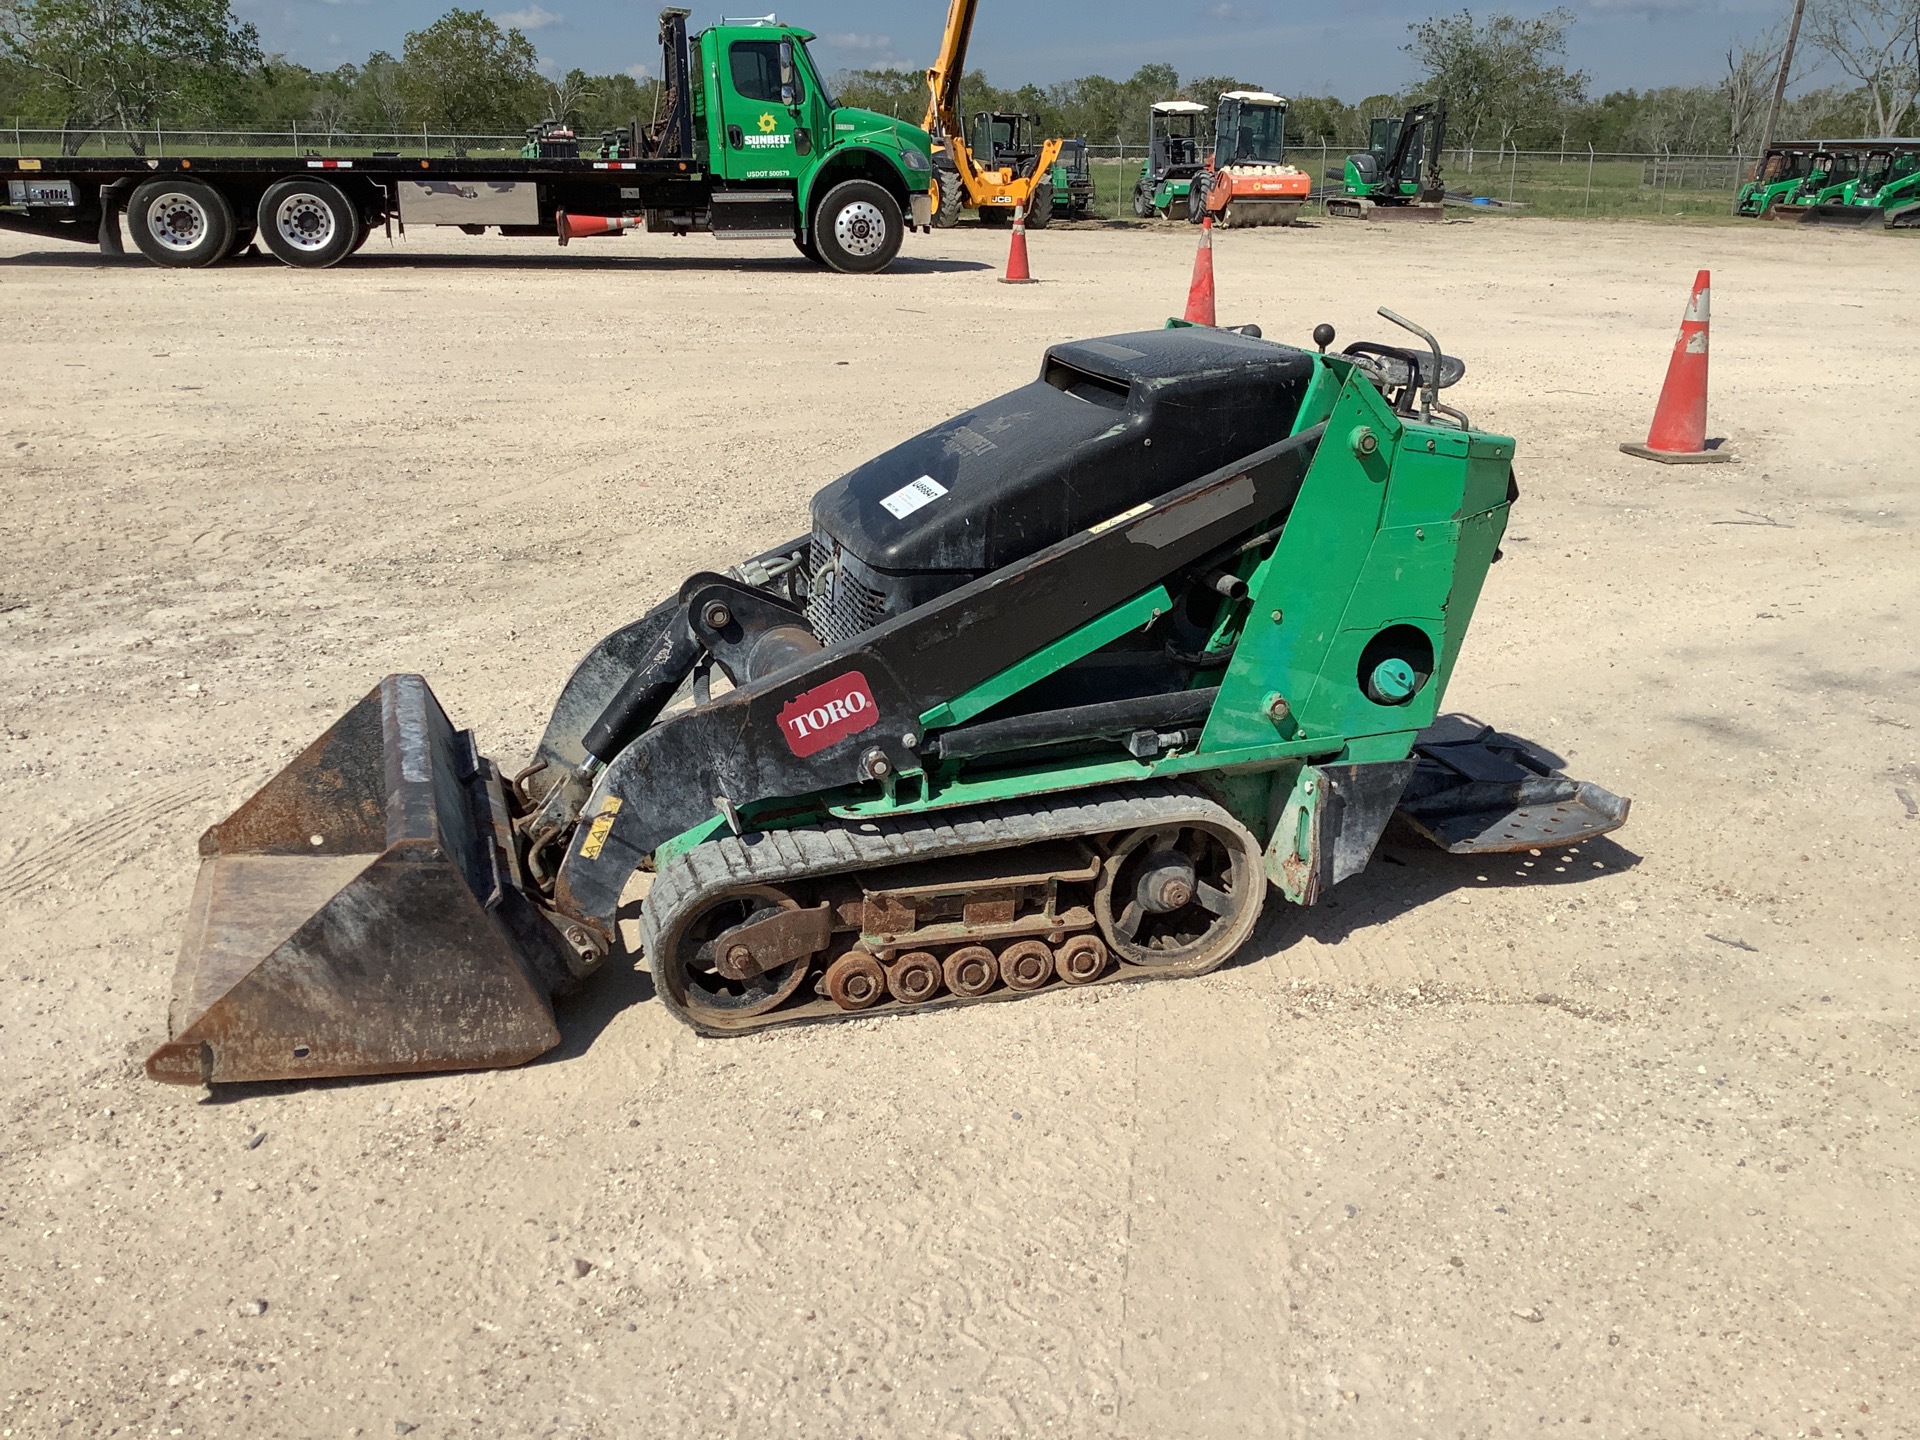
466,75
1877,44
378,100
615,101
1503,79
899,93
130,63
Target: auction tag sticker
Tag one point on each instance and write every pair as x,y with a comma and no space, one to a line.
911,496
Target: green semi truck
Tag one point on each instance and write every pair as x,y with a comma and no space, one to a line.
751,145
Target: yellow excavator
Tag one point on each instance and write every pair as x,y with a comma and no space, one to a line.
1001,172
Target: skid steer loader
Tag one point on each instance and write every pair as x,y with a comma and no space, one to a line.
1051,695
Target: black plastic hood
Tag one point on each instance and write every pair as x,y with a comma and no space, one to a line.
1108,424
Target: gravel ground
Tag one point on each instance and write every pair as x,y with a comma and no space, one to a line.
1619,1142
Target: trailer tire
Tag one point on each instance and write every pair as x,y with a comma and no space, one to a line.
309,222
1142,202
857,228
183,224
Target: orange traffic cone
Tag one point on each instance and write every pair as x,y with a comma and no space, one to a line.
1017,272
1200,292
575,227
1678,435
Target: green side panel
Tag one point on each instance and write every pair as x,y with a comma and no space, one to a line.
1247,794
1142,610
1323,391
1479,538
1314,568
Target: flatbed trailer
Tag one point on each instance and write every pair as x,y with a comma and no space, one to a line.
750,147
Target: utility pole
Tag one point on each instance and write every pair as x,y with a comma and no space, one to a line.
1780,83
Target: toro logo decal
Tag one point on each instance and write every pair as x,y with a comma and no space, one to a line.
816,719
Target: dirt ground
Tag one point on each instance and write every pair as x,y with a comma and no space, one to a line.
1618,1143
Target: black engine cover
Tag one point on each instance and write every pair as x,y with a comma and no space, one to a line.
1109,424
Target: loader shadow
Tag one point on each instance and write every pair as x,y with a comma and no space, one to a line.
584,1015
388,263
1408,874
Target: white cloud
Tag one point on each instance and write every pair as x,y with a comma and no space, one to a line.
533,17
638,72
1235,14
857,41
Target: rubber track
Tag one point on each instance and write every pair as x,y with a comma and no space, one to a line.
778,856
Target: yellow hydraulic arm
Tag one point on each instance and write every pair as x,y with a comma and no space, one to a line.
977,186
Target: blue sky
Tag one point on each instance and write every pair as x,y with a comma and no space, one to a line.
1349,48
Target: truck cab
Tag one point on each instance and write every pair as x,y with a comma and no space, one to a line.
766,120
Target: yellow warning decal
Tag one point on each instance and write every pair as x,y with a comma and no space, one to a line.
602,827
1121,518
28,164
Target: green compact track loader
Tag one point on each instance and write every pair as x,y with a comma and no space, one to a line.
1057,693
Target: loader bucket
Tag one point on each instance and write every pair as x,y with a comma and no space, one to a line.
1844,217
361,914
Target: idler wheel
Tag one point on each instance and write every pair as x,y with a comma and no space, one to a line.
1082,960
689,966
856,981
914,978
1026,964
971,970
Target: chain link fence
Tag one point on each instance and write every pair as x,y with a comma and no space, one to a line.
1541,182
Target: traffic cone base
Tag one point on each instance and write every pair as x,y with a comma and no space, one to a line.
1200,290
1017,271
1678,435
575,227
1675,457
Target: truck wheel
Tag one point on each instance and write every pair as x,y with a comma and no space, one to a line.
807,248
948,215
1040,208
180,223
310,223
857,228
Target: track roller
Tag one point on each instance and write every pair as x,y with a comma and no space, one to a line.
856,981
1026,964
971,970
914,978
1082,960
